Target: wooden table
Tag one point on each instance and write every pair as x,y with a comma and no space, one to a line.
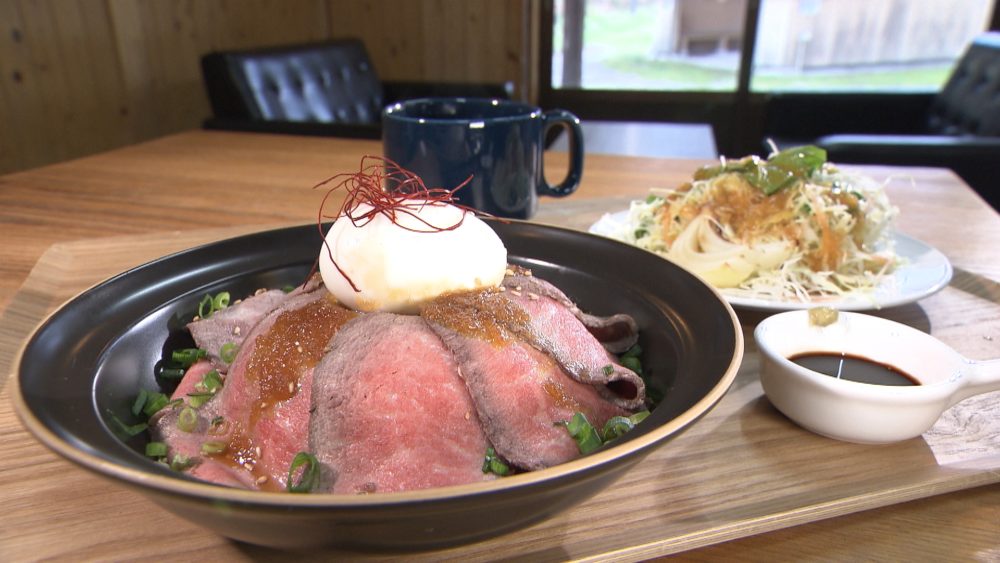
742,483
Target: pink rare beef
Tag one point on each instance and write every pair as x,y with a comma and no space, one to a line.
390,411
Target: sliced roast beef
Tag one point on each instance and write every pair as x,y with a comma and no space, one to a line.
391,412
617,333
230,326
186,445
259,420
554,329
523,397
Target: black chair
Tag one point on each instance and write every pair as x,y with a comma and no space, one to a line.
956,128
327,89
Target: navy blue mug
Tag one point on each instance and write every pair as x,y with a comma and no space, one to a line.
498,143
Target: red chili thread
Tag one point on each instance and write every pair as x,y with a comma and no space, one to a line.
389,190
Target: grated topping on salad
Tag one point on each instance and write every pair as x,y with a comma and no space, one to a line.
792,226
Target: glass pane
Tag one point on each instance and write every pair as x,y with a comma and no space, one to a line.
678,45
862,45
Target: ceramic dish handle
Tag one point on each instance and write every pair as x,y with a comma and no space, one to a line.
983,377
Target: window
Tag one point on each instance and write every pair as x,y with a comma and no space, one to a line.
801,45
862,45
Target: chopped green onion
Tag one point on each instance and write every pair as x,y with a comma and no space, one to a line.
210,305
129,430
650,199
140,401
634,352
589,438
617,426
180,462
288,288
156,449
309,476
584,433
632,363
186,357
155,402
494,464
196,400
228,352
212,381
205,389
187,421
213,447
169,372
608,369
639,233
205,307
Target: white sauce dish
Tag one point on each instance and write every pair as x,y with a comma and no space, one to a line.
867,413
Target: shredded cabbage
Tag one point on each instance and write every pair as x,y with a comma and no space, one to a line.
822,234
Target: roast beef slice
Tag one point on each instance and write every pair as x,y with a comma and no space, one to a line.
232,324
617,333
390,411
261,414
524,399
555,330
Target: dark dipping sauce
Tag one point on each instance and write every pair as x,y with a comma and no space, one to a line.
854,368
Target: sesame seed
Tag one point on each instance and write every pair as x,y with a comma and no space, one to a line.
236,330
517,293
533,297
257,451
261,480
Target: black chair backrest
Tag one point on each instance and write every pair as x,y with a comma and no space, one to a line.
332,82
969,103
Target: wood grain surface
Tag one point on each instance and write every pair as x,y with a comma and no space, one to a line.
743,483
83,77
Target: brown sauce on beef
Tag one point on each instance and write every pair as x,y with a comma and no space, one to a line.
294,344
485,315
558,394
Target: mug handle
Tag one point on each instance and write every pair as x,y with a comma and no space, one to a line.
569,184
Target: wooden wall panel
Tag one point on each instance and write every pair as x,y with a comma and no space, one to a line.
83,76
443,40
61,97
162,42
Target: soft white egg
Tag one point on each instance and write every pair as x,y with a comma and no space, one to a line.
398,265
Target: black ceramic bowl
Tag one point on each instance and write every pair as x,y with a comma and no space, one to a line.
88,360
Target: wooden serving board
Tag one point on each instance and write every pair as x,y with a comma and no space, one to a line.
741,470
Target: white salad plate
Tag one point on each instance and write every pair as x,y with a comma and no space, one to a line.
923,271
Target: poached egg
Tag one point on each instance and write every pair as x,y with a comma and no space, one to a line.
398,264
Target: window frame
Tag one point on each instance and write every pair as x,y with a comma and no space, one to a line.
737,117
